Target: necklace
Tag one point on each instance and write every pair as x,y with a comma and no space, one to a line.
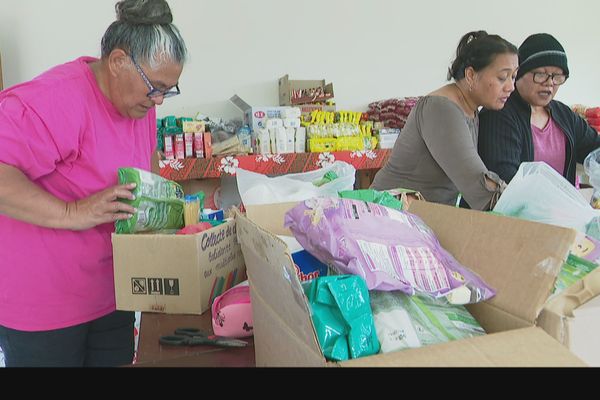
465,101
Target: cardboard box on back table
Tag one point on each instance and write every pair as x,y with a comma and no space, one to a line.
520,259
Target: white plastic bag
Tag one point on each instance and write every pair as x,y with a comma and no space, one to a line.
591,166
539,193
257,188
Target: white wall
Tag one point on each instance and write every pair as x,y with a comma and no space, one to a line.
369,49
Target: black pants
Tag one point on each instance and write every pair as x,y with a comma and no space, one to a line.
104,342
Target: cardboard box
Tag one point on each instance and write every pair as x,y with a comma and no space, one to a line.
255,117
176,274
573,318
520,259
287,87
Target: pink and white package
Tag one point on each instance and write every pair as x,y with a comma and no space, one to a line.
390,249
232,313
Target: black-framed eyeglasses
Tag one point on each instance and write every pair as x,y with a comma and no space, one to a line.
542,77
154,92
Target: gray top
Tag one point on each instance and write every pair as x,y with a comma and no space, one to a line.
436,154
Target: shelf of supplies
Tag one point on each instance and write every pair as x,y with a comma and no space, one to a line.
269,164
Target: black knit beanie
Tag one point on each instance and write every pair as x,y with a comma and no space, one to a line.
541,50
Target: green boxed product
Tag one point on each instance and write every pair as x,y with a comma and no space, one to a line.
159,202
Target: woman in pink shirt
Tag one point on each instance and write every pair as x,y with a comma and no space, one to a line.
63,135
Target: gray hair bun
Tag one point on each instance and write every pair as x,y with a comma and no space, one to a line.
144,12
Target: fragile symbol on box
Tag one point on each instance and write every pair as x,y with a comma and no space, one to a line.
171,287
138,286
155,286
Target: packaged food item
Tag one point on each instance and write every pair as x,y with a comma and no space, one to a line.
390,249
191,213
373,196
159,202
406,322
574,269
342,317
593,112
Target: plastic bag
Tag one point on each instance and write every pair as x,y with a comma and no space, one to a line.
373,196
389,249
257,188
591,166
342,317
539,193
159,202
403,321
573,270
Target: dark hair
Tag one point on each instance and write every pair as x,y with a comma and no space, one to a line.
145,30
477,49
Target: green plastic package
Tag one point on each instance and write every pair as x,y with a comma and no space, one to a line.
404,321
159,202
342,317
574,269
373,196
328,177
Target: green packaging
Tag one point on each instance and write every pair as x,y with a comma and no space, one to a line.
159,202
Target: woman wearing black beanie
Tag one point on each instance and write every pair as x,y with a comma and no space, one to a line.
533,126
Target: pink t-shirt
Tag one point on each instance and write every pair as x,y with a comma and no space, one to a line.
67,137
549,145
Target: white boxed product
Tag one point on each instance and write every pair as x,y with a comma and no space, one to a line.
291,122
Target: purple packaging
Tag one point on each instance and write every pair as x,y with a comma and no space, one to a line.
389,249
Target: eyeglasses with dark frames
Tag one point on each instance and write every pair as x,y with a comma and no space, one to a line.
542,77
154,92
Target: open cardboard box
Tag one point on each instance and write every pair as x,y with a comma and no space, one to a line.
176,274
287,86
520,259
256,117
573,318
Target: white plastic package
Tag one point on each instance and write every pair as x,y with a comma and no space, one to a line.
539,193
257,188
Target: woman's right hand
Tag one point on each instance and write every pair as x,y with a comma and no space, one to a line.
100,208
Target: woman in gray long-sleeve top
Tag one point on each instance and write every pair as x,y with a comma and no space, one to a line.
436,152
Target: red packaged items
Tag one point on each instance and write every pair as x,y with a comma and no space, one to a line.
593,121
593,112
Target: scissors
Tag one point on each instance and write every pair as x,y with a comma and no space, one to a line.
196,337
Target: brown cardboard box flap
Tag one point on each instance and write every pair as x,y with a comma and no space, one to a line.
275,279
575,295
520,259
